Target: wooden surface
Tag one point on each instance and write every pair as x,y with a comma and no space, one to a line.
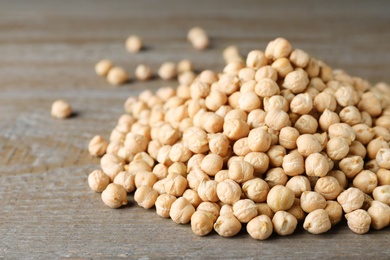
48,50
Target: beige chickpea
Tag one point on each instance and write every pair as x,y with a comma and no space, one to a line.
137,166
111,165
284,223
233,100
228,83
264,209
340,177
256,59
374,146
296,81
193,197
175,184
276,176
180,153
317,83
381,131
350,115
366,181
246,74
215,100
207,190
311,201
219,144
370,104
117,76
382,194
227,225
260,227
366,119
236,114
266,88
198,38
327,119
199,90
276,119
357,148
195,177
351,165
102,67
61,109
298,184
221,176
313,68
160,170
168,135
163,155
256,118
383,121
256,189
351,199
335,212
380,215
178,168
126,180
211,122
278,48
235,129
184,65
231,53
208,77
299,58
145,178
301,104
328,187
316,165
288,136
97,146
383,158
159,186
134,43
306,124
143,156
114,196
245,210
325,101
276,154
136,143
317,222
249,101
163,204
202,222
181,211
259,140
167,70
259,161
280,198
194,162
248,86
143,72
282,66
210,207
297,211
98,181
266,72
240,171
293,164
241,147
358,221
197,141
346,96
383,177
337,148
371,165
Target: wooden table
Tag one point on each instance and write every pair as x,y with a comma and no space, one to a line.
48,50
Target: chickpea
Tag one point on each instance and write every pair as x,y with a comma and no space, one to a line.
179,153
114,196
328,187
301,104
266,87
259,161
181,211
249,101
266,72
366,181
335,212
276,154
102,67
284,223
61,109
178,168
293,164
111,165
227,225
311,201
143,72
276,119
380,215
359,221
317,222
383,158
256,59
259,140
146,178
316,165
280,198
231,53
357,148
240,171
346,96
276,176
228,84
383,177
278,48
382,194
298,184
276,102
236,114
117,76
195,177
235,129
256,118
175,184
202,222
193,197
207,190
299,58
194,162
244,210
337,148
351,199
219,144
260,227
296,81
350,115
210,207
246,74
163,205
126,180
198,38
256,189
306,124
98,181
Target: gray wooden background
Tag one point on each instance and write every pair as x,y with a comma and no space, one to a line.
48,50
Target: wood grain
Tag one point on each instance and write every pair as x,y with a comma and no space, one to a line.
48,50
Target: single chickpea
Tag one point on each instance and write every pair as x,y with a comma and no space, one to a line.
136,143
103,67
366,181
340,177
221,176
383,158
194,162
256,189
236,114
282,66
383,177
163,205
256,59
235,129
280,198
259,140
276,119
249,101
260,227
227,225
137,166
146,178
276,154
357,148
111,165
327,119
232,54
246,74
372,165
380,215
181,211
160,170
195,177
229,84
264,209
284,223
278,48
337,148
346,96
175,184
366,119
335,212
293,164
143,156
311,201
351,199
313,68
61,109
98,181
215,100
97,146
180,153
114,196
256,118
193,197
117,76
143,72
266,87
184,65
383,121
210,207
325,101
370,104
276,176
134,43
163,155
317,222
207,190
296,81
241,147
266,72
178,168
211,122
167,70
350,115
297,211
306,124
288,136
298,184
219,144
202,222
380,131
316,165
299,58
382,194
259,161
233,100
240,171
301,104
248,86
198,38
245,210
126,180
159,186
328,187
358,221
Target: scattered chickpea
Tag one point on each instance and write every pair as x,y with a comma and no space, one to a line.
163,204
276,154
167,70
98,180
380,214
97,146
227,225
134,43
280,198
111,165
114,196
145,178
207,190
175,184
317,222
198,38
260,227
359,221
202,222
181,211
366,181
284,223
298,184
240,171
143,72
297,211
126,180
193,197
311,200
117,76
276,176
337,148
184,65
103,67
351,199
383,158
61,109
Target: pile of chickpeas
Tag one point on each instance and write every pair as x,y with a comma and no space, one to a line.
274,141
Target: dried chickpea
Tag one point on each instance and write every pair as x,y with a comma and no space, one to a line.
167,70
316,165
210,207
276,176
143,72
232,54
383,177
193,197
382,194
259,161
137,166
61,109
357,148
98,181
134,43
266,72
366,181
260,227
235,129
159,186
256,59
299,58
276,154
207,190
372,165
298,184
198,38
259,140
233,100
280,198
228,84
111,165
179,153
136,143
296,81
241,147
97,146
306,124
145,178
126,180
335,211
249,101
227,225
278,48
301,104
266,88
256,118
175,184
284,223
221,176
256,189
311,201
328,187
276,119
202,222
117,76
245,210
374,146
346,96
114,196
163,204
194,161
219,144
215,100
383,158
197,141
246,74
181,211
337,148
195,177
380,131
350,115
317,222
293,164
359,221
240,171
351,199
380,214
102,67
178,168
